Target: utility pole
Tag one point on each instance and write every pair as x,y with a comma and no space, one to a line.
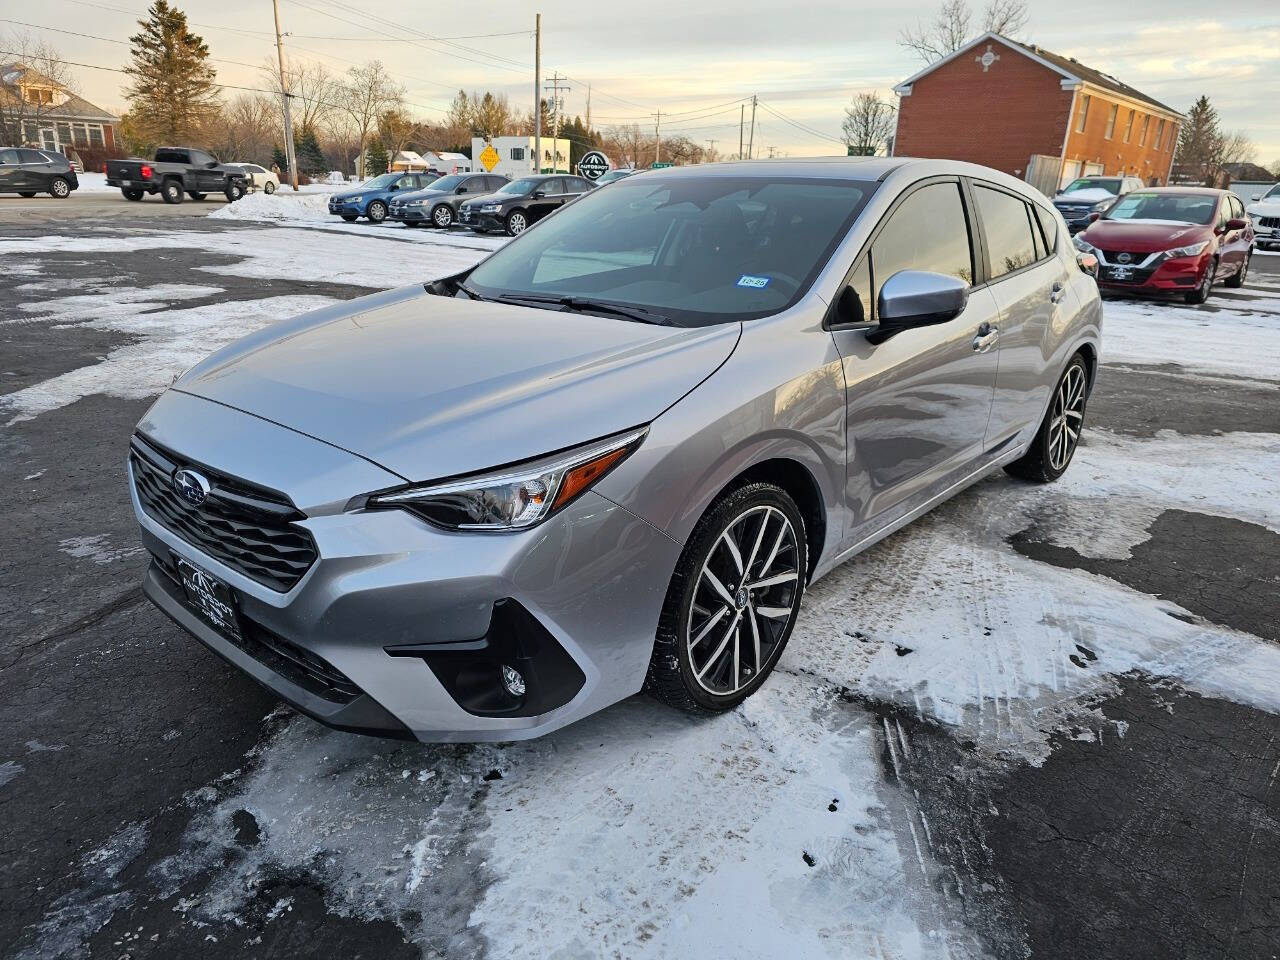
284,99
537,93
711,146
588,108
772,152
657,150
555,86
751,143
742,113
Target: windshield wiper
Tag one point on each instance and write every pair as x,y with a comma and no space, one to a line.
587,305
462,285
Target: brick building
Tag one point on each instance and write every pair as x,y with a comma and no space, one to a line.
1033,114
37,111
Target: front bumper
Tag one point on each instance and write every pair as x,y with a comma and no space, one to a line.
403,214
1266,233
592,579
1077,218
1169,276
345,208
482,221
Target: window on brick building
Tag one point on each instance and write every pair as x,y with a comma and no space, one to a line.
1128,126
1083,116
1111,121
1142,137
1159,135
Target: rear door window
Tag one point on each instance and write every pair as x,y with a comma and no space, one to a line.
1048,224
32,156
8,156
1007,230
928,231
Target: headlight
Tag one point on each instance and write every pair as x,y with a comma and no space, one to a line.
414,203
1101,206
1083,245
1193,250
351,200
514,498
491,208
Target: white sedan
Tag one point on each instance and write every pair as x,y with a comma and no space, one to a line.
260,178
1265,214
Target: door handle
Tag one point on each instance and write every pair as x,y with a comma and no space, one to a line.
986,337
1059,291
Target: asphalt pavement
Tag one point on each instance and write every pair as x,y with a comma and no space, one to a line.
117,731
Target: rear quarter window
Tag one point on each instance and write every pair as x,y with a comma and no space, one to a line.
1007,229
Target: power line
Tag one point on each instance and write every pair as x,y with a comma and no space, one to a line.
800,126
123,43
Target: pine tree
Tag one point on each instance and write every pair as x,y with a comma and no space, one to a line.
1200,140
375,158
307,150
280,159
173,95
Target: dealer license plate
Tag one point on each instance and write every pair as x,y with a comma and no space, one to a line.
1122,273
126,183
209,597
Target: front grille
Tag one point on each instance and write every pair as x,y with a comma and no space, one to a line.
295,664
250,529
1271,222
1135,257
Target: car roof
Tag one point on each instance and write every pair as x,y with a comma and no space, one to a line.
1190,191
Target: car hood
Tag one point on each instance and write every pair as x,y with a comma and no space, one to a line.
1144,236
432,387
1092,195
356,192
427,194
489,198
1264,208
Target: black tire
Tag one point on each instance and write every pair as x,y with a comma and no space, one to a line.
59,188
196,195
1201,293
376,212
133,194
517,222
1237,280
27,195
1044,461
234,190
350,217
442,216
269,188
672,676
171,191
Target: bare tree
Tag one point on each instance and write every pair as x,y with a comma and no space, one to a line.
33,80
367,94
949,30
397,130
314,91
491,115
1237,147
868,124
625,142
246,129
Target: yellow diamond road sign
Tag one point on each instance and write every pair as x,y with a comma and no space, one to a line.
489,157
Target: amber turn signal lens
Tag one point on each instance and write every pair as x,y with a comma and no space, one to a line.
581,477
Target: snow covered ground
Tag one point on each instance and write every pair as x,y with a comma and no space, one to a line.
785,828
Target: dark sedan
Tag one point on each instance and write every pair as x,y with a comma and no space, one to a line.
522,202
27,172
438,204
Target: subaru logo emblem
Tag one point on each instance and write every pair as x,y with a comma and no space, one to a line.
192,488
1123,258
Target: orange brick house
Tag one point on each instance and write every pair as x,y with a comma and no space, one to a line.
1033,114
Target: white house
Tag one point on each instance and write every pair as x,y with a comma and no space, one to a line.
515,155
447,162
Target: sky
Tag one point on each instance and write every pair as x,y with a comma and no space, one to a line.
696,62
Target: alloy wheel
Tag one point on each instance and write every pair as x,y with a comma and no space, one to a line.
377,211
747,593
443,216
61,189
1067,417
516,224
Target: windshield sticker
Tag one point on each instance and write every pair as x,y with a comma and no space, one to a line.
757,283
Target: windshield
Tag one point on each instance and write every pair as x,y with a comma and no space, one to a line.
1273,192
1185,208
519,186
696,250
1109,184
445,183
381,181
613,175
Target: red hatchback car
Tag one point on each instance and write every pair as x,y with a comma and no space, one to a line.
1171,240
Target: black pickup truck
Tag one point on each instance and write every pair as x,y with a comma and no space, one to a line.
175,172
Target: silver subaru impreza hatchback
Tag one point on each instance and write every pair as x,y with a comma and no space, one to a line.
613,455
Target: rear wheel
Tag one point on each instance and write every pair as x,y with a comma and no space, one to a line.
27,195
269,187
732,601
1055,443
195,195
1237,281
517,223
59,188
1201,293
377,211
171,191
131,194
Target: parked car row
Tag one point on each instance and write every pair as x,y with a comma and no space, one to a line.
484,202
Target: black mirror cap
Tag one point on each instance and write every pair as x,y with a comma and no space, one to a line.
919,298
848,310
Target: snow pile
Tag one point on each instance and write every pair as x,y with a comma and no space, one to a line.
94,183
281,205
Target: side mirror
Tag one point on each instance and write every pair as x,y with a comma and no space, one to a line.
1257,196
1088,263
1094,216
1235,223
211,164
539,194
461,190
917,298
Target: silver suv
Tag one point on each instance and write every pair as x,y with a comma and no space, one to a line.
614,454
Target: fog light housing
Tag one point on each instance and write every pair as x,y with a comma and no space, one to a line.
512,681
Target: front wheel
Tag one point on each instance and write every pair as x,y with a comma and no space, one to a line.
59,188
234,191
1055,443
171,192
25,195
269,188
517,223
442,216
377,211
732,601
1201,293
